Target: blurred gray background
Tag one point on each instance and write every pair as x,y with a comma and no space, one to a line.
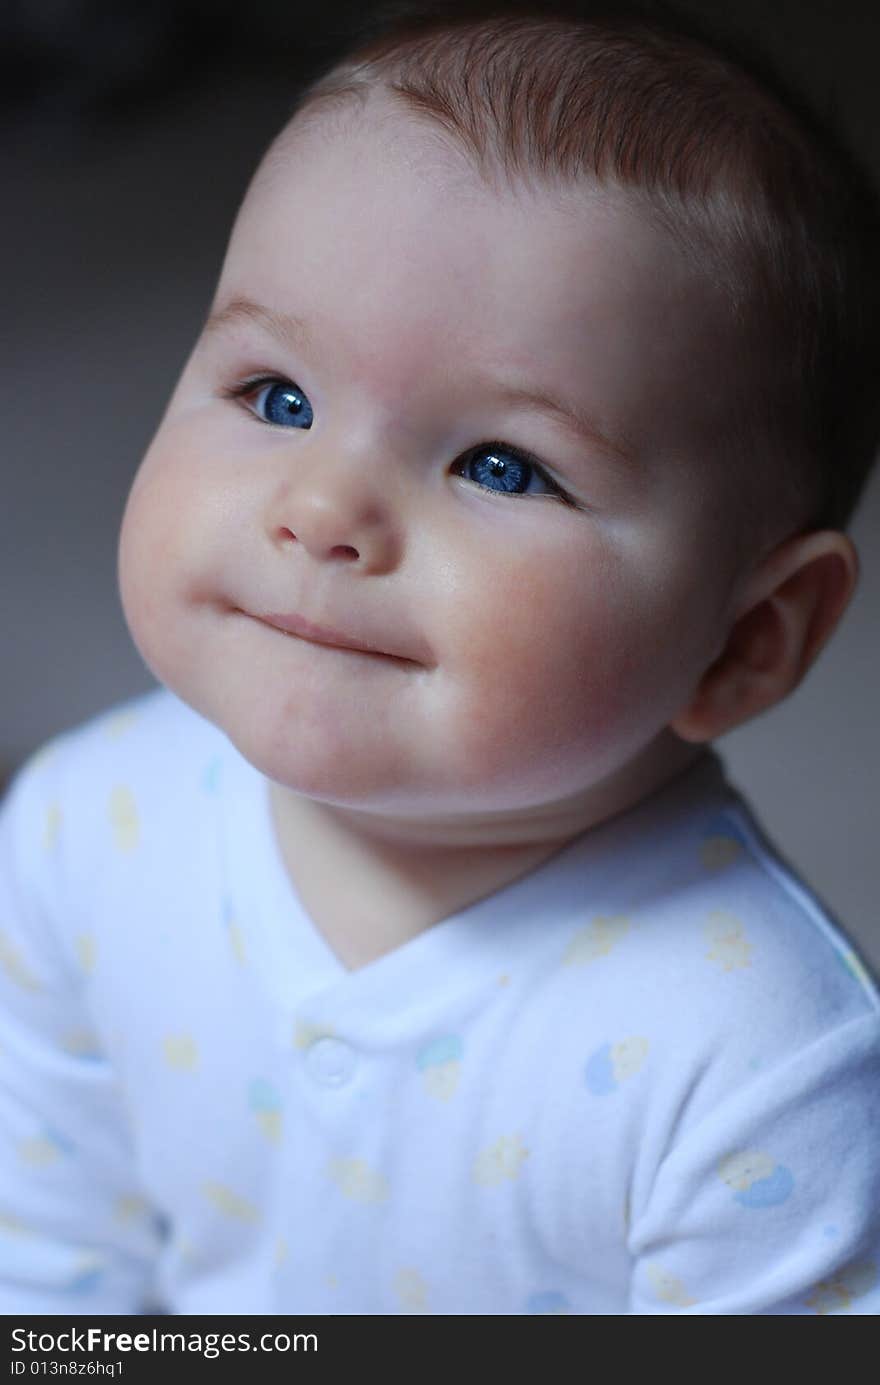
128,135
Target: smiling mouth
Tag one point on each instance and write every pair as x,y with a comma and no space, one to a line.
297,627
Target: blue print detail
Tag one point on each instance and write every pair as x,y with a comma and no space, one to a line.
547,1301
599,1072
263,1096
446,1050
85,1282
58,1140
768,1192
723,826
211,776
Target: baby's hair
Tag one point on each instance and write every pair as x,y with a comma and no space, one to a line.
707,140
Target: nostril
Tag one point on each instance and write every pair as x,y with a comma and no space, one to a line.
287,534
344,550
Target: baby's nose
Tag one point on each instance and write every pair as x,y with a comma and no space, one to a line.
341,525
336,550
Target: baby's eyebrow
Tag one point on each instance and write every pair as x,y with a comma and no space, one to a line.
581,424
287,327
290,329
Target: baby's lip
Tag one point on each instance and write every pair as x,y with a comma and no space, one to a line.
295,624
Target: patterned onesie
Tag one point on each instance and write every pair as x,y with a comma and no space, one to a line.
642,1078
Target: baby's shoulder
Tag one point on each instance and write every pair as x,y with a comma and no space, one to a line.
707,943
698,964
763,924
149,735
97,777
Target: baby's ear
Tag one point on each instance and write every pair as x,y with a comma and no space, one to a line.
788,607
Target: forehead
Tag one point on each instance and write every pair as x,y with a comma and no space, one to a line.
374,225
365,166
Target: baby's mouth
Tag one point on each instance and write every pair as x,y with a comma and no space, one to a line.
296,626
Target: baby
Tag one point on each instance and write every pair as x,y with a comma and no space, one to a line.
407,950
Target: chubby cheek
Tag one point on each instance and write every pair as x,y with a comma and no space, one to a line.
563,672
156,545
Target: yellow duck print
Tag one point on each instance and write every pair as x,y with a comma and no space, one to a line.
123,814
230,1203
52,826
181,1052
265,1103
15,966
729,946
236,940
668,1288
440,1066
12,1225
720,851
412,1291
305,1034
596,940
356,1180
739,1171
129,1207
500,1161
86,949
119,723
836,1295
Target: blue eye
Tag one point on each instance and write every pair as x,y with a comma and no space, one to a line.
494,466
505,470
280,402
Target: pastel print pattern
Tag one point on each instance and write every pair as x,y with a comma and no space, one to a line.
668,1288
837,1295
358,1181
81,1043
596,940
728,945
38,1151
234,933
723,844
265,1103
118,724
756,1179
86,948
440,1065
212,776
548,1303
124,820
16,967
181,1052
411,1291
129,1207
87,1274
52,826
305,1033
611,1064
501,1161
11,1225
230,1203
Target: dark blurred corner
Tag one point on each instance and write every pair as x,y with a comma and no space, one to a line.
85,62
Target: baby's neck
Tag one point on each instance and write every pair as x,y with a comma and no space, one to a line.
372,883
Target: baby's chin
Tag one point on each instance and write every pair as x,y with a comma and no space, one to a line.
410,797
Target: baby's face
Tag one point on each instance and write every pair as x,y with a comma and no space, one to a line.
475,429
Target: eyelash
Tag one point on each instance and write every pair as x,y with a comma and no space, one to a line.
242,388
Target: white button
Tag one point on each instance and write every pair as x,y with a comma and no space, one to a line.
330,1062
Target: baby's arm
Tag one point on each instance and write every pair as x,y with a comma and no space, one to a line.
75,1233
771,1203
